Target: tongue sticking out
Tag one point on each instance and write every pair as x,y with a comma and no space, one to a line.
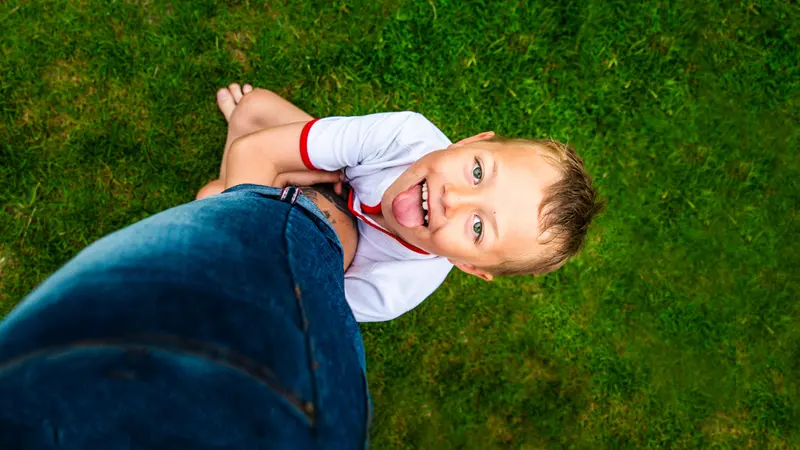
407,207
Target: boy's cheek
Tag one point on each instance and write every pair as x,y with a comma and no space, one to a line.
442,246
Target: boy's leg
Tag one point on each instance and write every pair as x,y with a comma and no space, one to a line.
249,110
211,188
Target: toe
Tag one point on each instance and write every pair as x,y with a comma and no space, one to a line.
246,89
225,102
236,90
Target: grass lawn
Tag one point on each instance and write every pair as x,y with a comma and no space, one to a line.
679,324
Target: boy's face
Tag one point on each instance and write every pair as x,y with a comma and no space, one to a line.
481,200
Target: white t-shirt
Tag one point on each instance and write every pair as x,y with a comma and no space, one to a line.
388,277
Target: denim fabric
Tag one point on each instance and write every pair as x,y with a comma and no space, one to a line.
218,324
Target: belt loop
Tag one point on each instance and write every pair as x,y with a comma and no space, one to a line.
289,194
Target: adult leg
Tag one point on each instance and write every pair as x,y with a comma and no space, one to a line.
218,324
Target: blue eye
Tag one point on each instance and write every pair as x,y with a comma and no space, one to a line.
477,172
477,228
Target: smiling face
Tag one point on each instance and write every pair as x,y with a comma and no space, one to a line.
482,202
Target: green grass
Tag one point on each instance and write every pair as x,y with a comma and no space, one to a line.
678,326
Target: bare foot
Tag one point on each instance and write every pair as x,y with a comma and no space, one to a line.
229,97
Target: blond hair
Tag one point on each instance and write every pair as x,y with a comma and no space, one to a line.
568,207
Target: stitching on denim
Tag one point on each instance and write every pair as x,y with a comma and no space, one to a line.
311,351
310,408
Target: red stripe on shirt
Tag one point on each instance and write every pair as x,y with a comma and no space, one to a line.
304,145
372,209
364,219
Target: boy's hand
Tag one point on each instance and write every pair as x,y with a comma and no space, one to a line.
300,178
307,178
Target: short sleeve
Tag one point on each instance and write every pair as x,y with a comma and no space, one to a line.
335,143
383,291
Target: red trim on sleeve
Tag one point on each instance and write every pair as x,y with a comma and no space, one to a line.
304,145
372,209
364,219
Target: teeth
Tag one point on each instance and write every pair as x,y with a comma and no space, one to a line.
425,195
425,201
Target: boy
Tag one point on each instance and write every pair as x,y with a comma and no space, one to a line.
487,205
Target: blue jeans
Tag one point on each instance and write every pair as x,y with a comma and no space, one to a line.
218,324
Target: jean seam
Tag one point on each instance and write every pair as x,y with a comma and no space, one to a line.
305,325
310,407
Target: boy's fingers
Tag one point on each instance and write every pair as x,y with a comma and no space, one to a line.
306,178
339,186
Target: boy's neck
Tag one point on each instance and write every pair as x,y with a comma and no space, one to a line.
378,218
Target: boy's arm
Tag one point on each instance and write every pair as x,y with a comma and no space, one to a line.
260,157
380,139
330,144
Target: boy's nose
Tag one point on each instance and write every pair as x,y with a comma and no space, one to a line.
455,199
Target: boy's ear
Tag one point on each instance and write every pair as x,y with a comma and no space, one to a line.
478,137
472,270
545,237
